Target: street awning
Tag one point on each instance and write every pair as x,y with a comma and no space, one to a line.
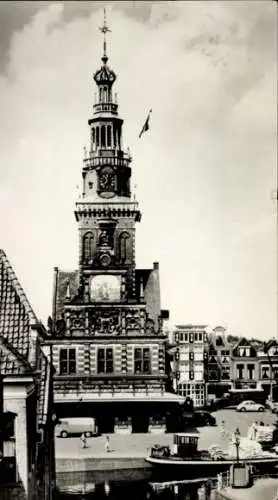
166,397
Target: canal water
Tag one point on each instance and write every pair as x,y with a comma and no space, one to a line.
138,490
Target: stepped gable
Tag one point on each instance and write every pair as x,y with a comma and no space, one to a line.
16,317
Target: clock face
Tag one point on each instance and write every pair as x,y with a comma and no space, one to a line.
107,182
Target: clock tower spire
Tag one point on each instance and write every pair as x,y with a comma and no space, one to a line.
104,29
107,212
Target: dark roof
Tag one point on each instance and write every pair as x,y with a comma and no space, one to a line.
12,362
243,342
16,320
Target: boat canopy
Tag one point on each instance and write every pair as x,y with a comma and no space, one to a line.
188,433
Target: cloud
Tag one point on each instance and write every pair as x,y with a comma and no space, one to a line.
204,170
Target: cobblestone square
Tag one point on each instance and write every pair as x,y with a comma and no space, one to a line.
137,445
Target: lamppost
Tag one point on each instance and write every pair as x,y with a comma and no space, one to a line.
237,442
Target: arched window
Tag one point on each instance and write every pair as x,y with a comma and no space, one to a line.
123,246
100,94
103,136
93,137
97,137
109,136
88,240
105,94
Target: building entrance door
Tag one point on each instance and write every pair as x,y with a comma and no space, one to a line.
105,423
140,423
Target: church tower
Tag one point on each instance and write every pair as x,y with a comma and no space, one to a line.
107,342
107,214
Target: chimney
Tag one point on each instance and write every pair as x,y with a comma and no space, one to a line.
156,265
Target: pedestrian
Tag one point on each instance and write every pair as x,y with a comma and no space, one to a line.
83,440
219,482
222,428
107,444
208,489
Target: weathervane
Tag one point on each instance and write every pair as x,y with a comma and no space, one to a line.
104,29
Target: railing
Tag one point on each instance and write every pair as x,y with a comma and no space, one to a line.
105,107
128,207
107,387
110,156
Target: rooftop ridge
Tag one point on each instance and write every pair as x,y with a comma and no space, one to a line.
18,288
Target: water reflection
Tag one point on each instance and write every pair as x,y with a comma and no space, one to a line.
139,490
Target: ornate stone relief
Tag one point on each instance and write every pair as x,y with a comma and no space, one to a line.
77,319
132,319
104,321
150,327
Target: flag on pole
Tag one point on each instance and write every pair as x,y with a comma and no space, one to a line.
146,124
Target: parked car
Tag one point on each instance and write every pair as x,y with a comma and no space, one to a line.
250,406
272,406
220,403
202,417
76,426
199,418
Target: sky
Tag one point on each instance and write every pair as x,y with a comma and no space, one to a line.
205,172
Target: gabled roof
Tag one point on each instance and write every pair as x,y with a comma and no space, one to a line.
16,320
243,342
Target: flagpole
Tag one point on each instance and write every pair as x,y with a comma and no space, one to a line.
144,129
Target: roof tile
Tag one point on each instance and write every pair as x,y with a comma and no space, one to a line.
16,318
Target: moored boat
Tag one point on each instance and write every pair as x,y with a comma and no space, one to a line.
184,459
